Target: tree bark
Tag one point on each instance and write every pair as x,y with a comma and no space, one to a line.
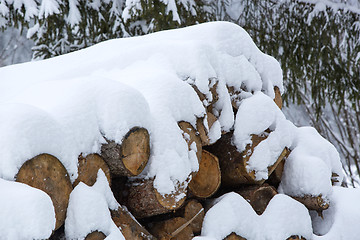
129,158
191,136
174,229
144,200
278,99
47,173
207,180
258,196
88,168
130,228
317,203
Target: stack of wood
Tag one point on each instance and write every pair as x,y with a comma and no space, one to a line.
146,214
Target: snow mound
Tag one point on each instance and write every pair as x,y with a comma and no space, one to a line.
25,212
88,210
103,91
233,214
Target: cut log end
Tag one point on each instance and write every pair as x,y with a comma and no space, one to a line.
317,203
144,200
95,236
207,180
278,98
190,135
234,236
47,173
194,212
203,132
88,168
131,157
174,229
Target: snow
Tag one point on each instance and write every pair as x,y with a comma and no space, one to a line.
232,213
25,213
340,220
88,210
74,91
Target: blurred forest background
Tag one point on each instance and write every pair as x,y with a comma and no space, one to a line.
317,43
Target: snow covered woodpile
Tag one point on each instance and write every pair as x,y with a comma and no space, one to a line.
174,135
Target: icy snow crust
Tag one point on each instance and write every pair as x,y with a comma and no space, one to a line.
105,90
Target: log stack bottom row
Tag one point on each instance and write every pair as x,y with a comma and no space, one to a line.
145,213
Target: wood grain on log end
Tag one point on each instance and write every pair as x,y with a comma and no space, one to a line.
95,236
144,200
47,173
174,229
278,99
234,236
194,208
207,180
130,228
131,157
190,135
88,168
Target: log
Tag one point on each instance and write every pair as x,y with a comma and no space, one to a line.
47,173
258,196
276,175
207,180
296,238
317,203
203,132
194,212
233,163
175,229
234,236
278,99
144,200
95,236
130,228
209,105
129,158
190,135
88,168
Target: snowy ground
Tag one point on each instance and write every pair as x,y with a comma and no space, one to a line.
68,105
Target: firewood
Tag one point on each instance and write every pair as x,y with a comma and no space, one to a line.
258,196
207,180
234,236
317,203
278,99
129,158
191,136
174,229
233,163
130,228
88,168
296,238
95,236
47,173
144,200
334,178
209,105
194,212
203,132
275,176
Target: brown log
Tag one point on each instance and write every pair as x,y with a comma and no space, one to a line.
95,236
233,163
317,203
334,178
235,97
174,229
88,168
47,173
129,158
130,228
258,196
278,99
276,175
190,135
234,236
203,132
207,180
144,200
209,105
194,212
